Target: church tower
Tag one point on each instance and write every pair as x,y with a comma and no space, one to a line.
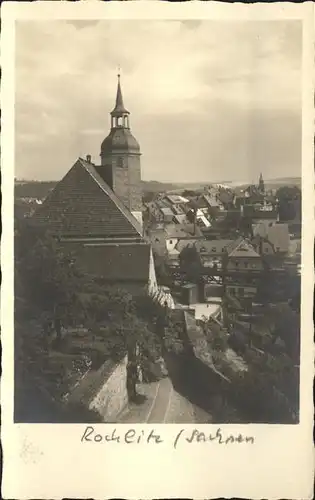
120,159
261,184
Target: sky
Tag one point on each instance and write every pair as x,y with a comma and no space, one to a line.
210,101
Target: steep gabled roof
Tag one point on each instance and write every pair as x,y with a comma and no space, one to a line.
242,249
82,204
276,234
214,246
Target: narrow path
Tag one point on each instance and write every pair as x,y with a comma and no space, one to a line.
164,405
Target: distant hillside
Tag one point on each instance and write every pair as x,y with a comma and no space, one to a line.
273,183
40,189
155,186
158,187
33,189
284,181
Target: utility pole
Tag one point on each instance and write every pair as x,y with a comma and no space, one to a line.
225,317
195,220
251,315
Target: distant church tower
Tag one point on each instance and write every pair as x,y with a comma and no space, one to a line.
261,184
120,159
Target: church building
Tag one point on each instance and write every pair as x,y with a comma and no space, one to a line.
96,210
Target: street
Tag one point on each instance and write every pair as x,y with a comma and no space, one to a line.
164,405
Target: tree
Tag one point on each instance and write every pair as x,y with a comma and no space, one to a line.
289,202
148,196
188,193
48,279
288,193
246,227
115,316
163,274
190,263
50,288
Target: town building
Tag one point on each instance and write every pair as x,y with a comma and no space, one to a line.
259,211
243,269
271,238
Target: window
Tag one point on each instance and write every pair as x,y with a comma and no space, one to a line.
245,264
120,161
213,249
171,242
241,292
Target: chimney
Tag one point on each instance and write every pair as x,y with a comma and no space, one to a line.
88,158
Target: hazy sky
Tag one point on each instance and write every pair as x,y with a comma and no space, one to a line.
209,100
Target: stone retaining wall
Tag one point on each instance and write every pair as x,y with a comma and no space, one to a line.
112,396
103,392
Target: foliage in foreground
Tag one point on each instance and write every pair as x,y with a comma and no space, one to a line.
268,390
53,300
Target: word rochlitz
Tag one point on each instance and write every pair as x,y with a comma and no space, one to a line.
131,436
188,436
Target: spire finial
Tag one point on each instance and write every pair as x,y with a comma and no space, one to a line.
119,106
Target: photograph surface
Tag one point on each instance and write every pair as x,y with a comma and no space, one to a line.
157,221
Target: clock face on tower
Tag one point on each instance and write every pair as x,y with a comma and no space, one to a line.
117,138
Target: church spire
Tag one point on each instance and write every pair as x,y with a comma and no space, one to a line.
119,109
261,185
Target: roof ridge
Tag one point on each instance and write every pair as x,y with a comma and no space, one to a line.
105,187
247,243
118,244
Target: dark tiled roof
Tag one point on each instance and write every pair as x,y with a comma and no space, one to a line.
117,262
82,204
242,248
214,246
